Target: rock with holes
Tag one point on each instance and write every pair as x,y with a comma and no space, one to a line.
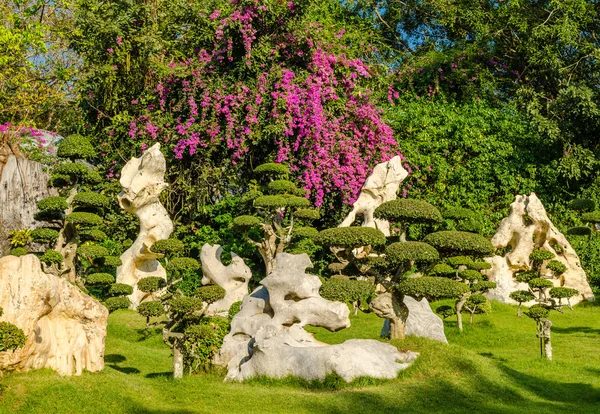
65,328
233,278
143,180
268,338
528,228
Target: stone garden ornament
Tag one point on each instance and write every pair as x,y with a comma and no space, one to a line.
142,180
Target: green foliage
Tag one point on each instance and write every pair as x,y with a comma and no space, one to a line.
470,275
210,293
234,309
579,231
556,267
44,235
76,147
482,286
280,201
184,305
18,251
443,270
11,337
432,288
151,309
99,279
168,246
305,231
445,311
92,251
563,292
537,312
120,289
538,256
307,214
540,283
526,276
84,219
246,222
348,290
250,195
406,210
459,242
202,342
64,174
112,261
404,252
281,186
92,235
350,237
272,169
521,296
458,213
151,284
116,303
480,266
582,204
20,238
52,204
592,217
51,257
182,264
456,261
90,199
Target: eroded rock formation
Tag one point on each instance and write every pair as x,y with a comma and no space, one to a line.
528,228
268,338
233,278
65,328
142,180
381,186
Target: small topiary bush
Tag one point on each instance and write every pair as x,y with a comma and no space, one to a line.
92,251
582,204
432,288
185,305
592,217
347,290
445,311
480,266
563,292
403,252
150,309
99,279
64,173
521,296
443,270
52,205
183,264
84,219
90,199
18,251
470,275
483,286
280,201
579,231
234,309
92,235
151,284
538,256
414,211
453,242
51,257
210,293
537,312
307,214
246,222
305,232
116,303
168,246
281,186
112,261
556,266
456,261
11,337
540,283
202,342
350,237
120,289
76,147
44,235
272,168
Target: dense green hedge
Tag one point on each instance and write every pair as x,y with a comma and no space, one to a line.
210,293
151,284
280,201
53,204
90,199
412,211
272,169
304,231
99,279
347,290
582,204
460,242
118,302
120,289
307,214
432,288
350,237
76,147
167,246
84,219
44,235
403,252
246,222
281,186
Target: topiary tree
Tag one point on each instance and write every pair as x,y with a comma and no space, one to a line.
355,293
278,204
521,296
405,211
463,219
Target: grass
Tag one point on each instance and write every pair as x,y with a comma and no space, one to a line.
492,367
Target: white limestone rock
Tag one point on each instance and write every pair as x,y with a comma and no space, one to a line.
65,328
526,229
233,278
268,338
142,180
381,186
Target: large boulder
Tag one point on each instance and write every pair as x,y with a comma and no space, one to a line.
65,328
268,338
528,228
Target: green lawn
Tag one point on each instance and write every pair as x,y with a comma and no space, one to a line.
493,367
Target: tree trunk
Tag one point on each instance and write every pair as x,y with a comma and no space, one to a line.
519,314
471,318
459,306
544,327
177,360
398,323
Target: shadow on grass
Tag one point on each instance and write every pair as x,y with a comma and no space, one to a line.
113,359
167,374
146,333
576,329
492,356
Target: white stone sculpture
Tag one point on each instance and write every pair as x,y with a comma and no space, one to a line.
528,228
233,278
65,328
142,180
268,338
381,186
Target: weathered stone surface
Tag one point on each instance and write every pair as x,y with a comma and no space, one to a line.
233,278
268,338
526,229
65,328
381,186
142,180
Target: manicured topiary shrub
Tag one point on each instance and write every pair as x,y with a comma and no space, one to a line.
52,204
76,147
234,309
539,256
307,214
185,304
521,296
561,293
591,217
480,266
44,235
477,304
582,204
168,246
246,222
414,211
202,342
537,312
151,284
182,264
305,232
18,251
11,337
51,257
460,242
99,279
112,261
281,186
470,275
443,270
432,288
84,219
411,251
445,311
350,237
457,261
356,293
483,286
150,309
579,231
280,201
90,199
92,251
272,169
120,289
210,293
556,267
116,303
92,235
70,172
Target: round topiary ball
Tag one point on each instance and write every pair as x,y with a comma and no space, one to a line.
246,222
582,204
412,211
84,219
281,186
280,201
183,264
184,305
540,283
92,235
556,267
307,214
538,256
120,289
537,312
90,199
432,288
521,296
92,251
116,303
443,270
51,257
151,309
18,251
52,204
350,237
411,251
445,311
210,293
480,266
76,147
99,279
304,232
112,261
470,275
167,246
460,243
579,231
44,235
457,261
272,168
483,286
151,284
